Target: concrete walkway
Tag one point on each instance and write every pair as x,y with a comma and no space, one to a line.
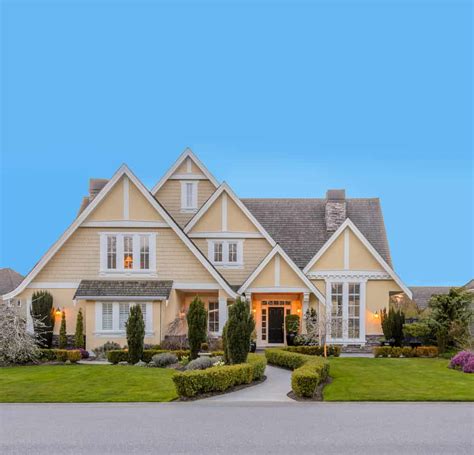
274,388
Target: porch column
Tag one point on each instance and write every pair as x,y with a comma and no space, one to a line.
304,309
222,310
29,318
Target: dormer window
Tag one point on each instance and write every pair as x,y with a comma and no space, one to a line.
189,200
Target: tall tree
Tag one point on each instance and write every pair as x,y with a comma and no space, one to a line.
79,335
42,311
239,328
135,326
197,326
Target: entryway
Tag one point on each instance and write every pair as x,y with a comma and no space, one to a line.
275,325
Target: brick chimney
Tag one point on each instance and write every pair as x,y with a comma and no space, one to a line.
335,209
95,185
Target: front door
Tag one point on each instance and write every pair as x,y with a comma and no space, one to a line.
275,325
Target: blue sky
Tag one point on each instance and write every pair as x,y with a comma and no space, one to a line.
277,98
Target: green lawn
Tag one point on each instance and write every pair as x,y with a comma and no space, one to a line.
85,383
366,379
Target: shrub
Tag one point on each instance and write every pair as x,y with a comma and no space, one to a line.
135,327
382,351
79,334
74,355
426,351
469,366
175,343
407,351
201,363
121,355
392,325
396,352
334,350
42,310
84,353
204,347
62,332
219,378
461,359
163,360
309,371
331,350
117,356
292,323
47,355
420,330
197,326
239,328
100,352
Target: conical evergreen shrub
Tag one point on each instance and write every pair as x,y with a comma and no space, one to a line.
135,334
79,341
239,328
197,326
63,332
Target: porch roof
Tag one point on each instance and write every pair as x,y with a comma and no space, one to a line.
119,289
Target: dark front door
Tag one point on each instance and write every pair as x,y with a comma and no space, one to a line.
275,325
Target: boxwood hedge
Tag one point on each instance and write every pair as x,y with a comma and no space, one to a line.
308,370
220,378
332,350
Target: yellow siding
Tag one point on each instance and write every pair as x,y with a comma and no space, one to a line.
237,221
360,258
288,277
139,208
266,277
377,298
79,258
333,258
183,168
211,221
111,207
170,196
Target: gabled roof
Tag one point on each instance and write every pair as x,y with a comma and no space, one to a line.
277,249
299,226
350,225
188,153
422,294
123,170
224,187
9,280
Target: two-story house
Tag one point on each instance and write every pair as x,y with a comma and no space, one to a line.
191,235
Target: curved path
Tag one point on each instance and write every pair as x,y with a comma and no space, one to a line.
274,388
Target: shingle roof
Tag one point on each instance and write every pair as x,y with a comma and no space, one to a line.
299,226
152,289
9,280
423,294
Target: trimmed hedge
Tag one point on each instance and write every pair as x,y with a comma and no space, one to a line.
308,370
421,351
60,355
332,350
218,379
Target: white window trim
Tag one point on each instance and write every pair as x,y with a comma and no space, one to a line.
184,207
120,270
345,310
115,331
225,253
213,332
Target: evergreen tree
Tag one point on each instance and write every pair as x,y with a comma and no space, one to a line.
42,311
197,326
135,334
63,332
240,326
79,335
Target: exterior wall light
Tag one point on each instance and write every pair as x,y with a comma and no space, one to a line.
58,312
376,315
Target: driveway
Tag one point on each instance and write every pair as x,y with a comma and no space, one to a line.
237,428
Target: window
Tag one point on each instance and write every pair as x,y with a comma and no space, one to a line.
354,310
264,324
336,310
213,317
189,196
144,252
124,311
107,316
128,252
228,253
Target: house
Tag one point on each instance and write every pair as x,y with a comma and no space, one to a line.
9,280
193,236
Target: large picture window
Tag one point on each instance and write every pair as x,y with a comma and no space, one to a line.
112,317
128,252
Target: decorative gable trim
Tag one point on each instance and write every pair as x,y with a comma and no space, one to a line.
277,249
188,153
123,170
225,189
350,225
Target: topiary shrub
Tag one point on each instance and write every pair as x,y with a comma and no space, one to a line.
62,332
74,355
197,326
238,332
79,341
42,310
201,363
135,327
292,323
163,360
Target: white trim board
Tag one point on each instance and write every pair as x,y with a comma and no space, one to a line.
54,285
225,187
126,224
188,153
226,235
277,249
350,225
123,170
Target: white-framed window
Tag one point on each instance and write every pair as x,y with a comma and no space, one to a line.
337,309
189,195
213,317
226,253
126,252
111,317
354,310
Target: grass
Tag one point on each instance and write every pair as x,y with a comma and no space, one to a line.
366,379
85,384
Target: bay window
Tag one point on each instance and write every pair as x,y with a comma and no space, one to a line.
227,253
127,252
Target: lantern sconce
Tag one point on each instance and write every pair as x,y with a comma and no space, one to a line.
58,312
376,314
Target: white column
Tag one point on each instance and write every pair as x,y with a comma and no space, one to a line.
345,310
304,309
29,318
362,315
222,313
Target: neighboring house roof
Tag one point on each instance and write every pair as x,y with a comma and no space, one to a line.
299,225
469,285
139,289
423,294
9,280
